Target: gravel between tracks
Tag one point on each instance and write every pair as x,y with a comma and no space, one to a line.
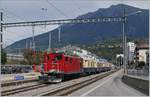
53,87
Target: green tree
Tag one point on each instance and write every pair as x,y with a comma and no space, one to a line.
141,64
32,57
28,55
39,57
3,57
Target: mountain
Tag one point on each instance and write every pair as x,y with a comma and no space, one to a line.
137,26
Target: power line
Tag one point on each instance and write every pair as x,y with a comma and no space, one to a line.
56,8
65,21
33,44
20,18
59,29
77,6
13,14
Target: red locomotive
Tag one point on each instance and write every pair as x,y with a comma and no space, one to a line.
58,66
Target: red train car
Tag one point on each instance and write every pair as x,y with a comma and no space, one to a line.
58,66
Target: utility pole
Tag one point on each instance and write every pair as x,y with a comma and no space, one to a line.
33,45
123,33
1,36
124,38
26,44
49,45
125,54
30,44
59,30
33,41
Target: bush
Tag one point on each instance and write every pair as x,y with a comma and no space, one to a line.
3,57
141,64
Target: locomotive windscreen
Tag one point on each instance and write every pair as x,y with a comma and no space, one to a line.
58,57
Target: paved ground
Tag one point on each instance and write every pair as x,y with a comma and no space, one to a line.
108,86
10,77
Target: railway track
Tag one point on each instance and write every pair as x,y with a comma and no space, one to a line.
62,89
66,90
13,83
21,89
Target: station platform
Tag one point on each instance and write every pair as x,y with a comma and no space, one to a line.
139,77
25,76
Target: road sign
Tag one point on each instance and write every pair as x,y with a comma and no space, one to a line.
19,77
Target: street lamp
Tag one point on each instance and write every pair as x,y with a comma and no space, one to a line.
50,36
124,37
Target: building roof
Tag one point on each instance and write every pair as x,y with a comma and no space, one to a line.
142,46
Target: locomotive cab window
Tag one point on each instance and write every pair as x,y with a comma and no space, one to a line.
59,57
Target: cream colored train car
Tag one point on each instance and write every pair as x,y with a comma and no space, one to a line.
91,65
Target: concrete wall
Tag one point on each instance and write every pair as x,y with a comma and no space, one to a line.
139,84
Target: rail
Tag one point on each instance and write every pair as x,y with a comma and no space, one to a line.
11,83
21,89
62,91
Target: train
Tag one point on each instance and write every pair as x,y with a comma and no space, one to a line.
58,67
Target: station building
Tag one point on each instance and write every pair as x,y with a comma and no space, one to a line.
142,53
130,51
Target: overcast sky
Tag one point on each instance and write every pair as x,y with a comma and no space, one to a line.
29,10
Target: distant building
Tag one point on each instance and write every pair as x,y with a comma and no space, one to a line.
119,59
15,57
130,51
142,52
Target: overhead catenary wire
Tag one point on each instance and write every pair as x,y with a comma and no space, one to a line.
58,10
17,17
11,13
20,18
32,44
49,38
77,6
59,28
14,15
75,21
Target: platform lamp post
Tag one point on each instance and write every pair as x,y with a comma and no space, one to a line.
125,16
49,36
